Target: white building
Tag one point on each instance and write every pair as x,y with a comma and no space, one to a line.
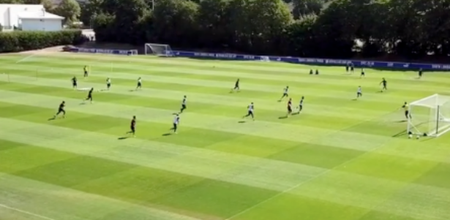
29,18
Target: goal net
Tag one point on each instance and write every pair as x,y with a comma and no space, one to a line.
429,116
158,49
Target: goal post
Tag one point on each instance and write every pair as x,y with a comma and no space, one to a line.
158,49
429,116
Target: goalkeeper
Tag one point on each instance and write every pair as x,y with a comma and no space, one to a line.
406,108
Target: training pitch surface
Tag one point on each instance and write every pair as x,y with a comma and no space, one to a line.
339,159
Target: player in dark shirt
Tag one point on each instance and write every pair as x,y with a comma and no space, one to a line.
85,69
89,97
139,83
317,72
289,107
311,72
133,126
363,74
61,110
300,106
420,73
352,67
236,85
384,83
74,82
183,104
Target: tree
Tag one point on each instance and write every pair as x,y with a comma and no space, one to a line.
175,22
307,7
48,5
69,9
267,21
10,1
213,22
89,10
32,2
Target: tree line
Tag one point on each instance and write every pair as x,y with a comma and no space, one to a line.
309,28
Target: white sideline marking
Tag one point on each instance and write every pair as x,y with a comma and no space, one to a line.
25,58
25,212
299,184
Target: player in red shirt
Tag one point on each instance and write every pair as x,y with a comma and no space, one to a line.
133,126
289,107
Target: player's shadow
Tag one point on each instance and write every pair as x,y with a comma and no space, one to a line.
354,99
242,122
282,117
296,113
401,121
122,138
402,133
167,134
51,119
83,103
131,90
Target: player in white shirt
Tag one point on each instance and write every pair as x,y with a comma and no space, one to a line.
108,83
183,104
139,83
285,93
300,105
359,92
176,121
250,111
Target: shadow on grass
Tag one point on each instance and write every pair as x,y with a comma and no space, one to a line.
283,117
242,122
122,138
51,119
167,134
402,133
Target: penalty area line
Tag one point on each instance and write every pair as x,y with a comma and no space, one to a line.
25,58
25,212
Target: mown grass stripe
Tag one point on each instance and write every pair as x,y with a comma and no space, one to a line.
251,171
64,203
318,105
281,131
363,186
302,80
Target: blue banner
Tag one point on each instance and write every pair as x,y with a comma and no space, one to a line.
103,51
315,61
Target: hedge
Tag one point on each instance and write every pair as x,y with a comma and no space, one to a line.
17,41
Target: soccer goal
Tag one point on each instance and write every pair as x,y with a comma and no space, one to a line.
429,116
158,49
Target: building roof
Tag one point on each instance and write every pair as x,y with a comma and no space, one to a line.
39,15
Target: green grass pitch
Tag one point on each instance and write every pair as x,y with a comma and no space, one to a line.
339,159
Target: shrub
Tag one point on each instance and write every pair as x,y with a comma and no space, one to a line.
34,40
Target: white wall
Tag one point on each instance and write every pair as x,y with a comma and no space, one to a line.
41,24
9,13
